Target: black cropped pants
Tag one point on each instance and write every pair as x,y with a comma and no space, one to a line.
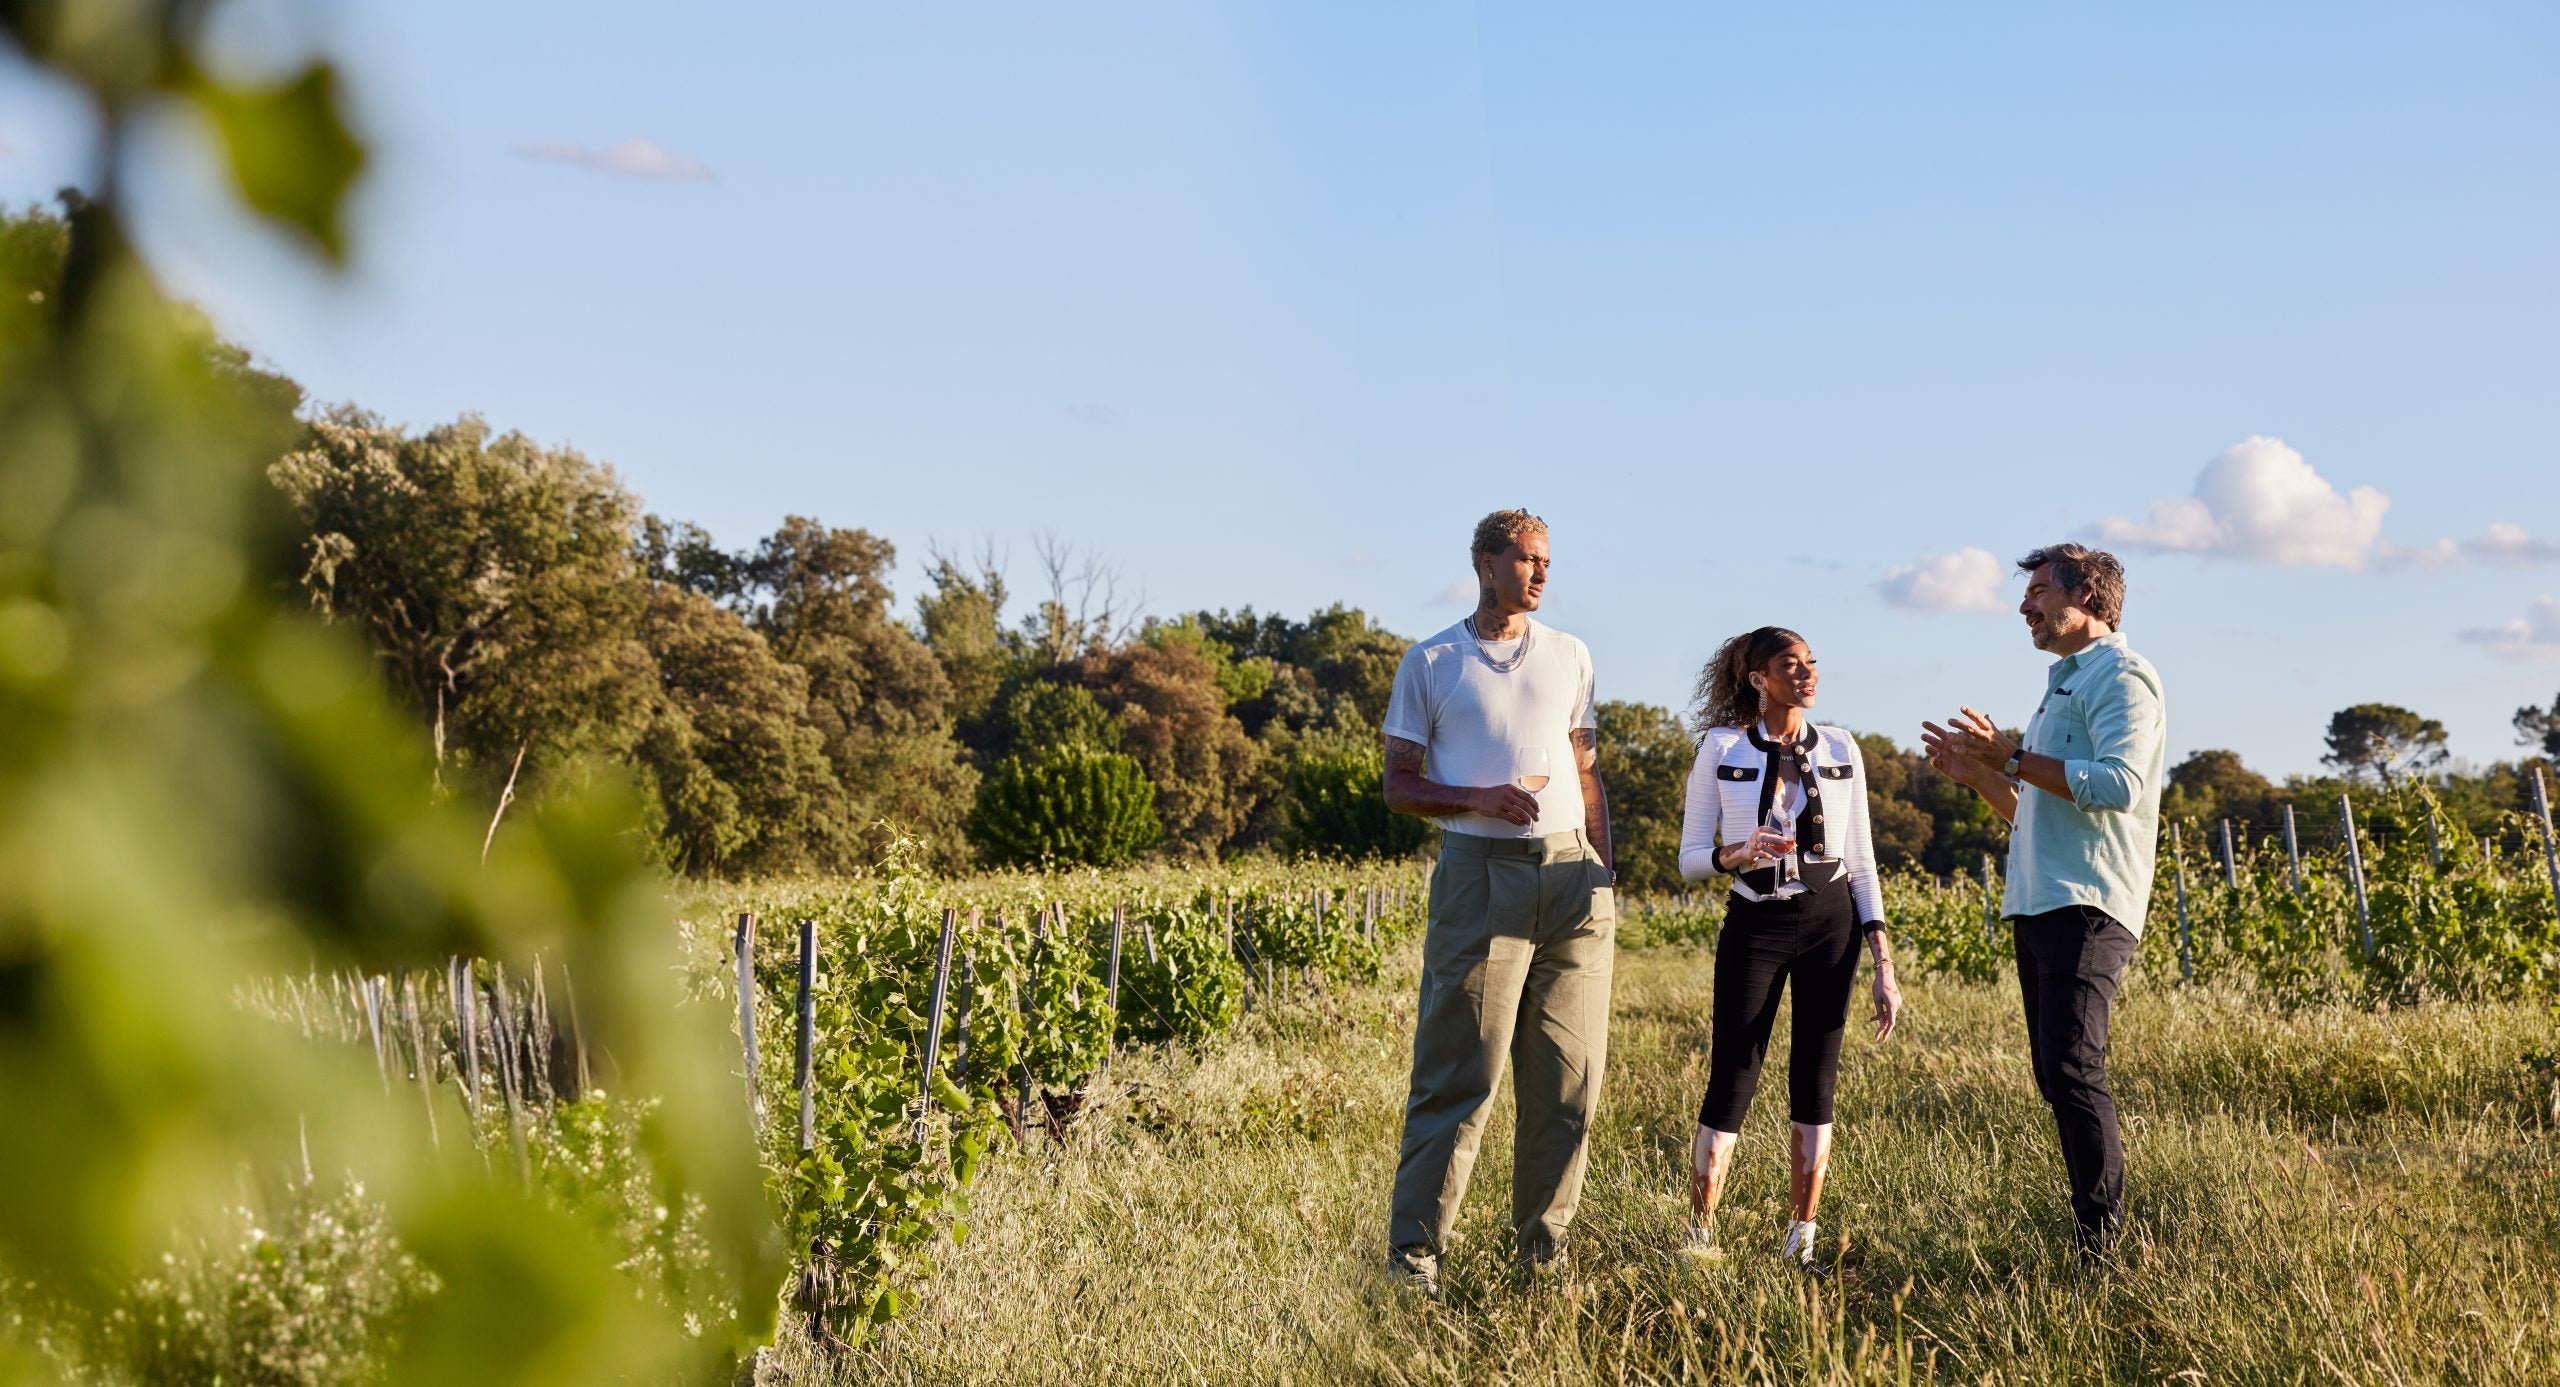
1811,939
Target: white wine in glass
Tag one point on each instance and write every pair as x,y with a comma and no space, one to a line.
1530,768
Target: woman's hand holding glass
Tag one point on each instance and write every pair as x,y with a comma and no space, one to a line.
1764,846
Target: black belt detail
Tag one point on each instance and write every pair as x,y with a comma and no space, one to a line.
1816,874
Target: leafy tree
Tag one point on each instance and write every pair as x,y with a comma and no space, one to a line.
741,776
1963,827
1902,830
1239,678
1346,656
682,554
1337,804
494,578
963,619
877,696
2384,740
2540,725
1174,720
1069,806
2213,785
1645,756
1044,714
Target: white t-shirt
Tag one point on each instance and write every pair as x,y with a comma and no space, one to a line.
1470,718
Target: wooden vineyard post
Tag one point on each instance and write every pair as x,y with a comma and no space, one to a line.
545,1040
960,1007
2178,860
2230,859
373,988
805,1037
2550,853
466,1032
1147,932
418,1052
1240,946
1111,970
2435,844
508,1049
2355,874
2292,852
746,952
577,1030
1030,987
1990,907
933,1020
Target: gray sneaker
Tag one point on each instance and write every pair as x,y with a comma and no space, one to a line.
1698,1240
1415,1271
1552,1265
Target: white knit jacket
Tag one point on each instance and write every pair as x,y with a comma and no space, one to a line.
1726,786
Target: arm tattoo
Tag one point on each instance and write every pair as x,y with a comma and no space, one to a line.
1408,792
1595,795
1404,756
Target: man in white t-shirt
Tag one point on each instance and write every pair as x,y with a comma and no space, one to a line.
1491,734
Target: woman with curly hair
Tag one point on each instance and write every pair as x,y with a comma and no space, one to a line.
1781,804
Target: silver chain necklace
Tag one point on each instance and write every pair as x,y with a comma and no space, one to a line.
1528,632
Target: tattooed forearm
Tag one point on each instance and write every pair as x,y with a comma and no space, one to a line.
1409,793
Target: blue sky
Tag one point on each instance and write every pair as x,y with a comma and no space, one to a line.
1773,312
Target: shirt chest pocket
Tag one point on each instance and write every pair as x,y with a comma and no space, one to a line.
1733,773
2062,728
1835,772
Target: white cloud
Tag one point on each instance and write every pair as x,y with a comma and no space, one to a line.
1459,593
2260,502
641,159
2533,636
1967,580
2510,545
2502,546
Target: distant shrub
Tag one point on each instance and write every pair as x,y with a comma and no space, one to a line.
1337,804
1068,805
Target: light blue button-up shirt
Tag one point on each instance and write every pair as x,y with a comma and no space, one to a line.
2105,719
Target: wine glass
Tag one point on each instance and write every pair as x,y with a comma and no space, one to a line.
1782,823
1530,768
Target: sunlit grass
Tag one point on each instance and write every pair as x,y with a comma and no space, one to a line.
2328,1195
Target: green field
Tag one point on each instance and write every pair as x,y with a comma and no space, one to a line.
2334,1195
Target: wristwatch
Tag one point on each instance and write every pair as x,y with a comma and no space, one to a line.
2017,761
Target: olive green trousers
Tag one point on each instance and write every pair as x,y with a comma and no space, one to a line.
1516,961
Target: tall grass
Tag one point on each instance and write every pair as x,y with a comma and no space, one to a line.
2317,1195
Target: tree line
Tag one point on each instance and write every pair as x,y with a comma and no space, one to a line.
779,713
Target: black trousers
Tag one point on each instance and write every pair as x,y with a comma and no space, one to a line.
1812,939
2069,962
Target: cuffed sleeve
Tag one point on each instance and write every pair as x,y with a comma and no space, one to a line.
1864,886
1699,817
2126,721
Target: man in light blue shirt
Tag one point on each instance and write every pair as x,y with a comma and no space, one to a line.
2083,795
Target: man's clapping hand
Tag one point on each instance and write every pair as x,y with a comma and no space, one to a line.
1970,749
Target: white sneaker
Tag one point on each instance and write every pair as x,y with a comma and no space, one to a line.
1699,1240
1799,1248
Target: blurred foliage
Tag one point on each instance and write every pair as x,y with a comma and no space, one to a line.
200,785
